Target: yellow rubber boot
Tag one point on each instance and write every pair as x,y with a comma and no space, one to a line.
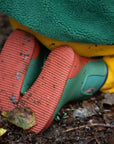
109,84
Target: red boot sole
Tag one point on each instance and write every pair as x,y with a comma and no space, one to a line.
45,94
14,60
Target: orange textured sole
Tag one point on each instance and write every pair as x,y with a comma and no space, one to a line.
14,60
45,94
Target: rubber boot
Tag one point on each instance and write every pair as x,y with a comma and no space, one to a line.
65,77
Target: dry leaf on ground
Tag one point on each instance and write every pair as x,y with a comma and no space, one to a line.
108,99
21,117
2,131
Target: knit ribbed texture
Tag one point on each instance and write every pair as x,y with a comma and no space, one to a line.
90,21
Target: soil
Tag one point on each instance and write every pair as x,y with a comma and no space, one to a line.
65,129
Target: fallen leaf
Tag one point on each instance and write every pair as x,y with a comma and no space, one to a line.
88,110
2,131
108,99
109,117
82,112
91,106
21,117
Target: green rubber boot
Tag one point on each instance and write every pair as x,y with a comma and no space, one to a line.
90,76
89,80
34,68
65,77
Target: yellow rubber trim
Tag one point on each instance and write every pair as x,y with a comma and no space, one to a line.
87,50
109,84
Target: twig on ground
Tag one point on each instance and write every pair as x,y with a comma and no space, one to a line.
90,125
98,142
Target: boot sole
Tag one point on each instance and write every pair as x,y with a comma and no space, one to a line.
45,94
14,61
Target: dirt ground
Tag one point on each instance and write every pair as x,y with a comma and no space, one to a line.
93,123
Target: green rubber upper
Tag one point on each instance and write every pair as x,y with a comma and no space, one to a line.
34,70
84,21
89,80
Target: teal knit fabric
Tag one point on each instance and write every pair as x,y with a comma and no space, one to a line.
85,21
